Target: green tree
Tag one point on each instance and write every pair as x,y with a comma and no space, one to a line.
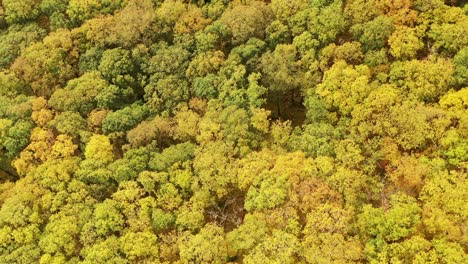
17,38
70,123
281,74
461,66
124,119
117,66
380,229
373,34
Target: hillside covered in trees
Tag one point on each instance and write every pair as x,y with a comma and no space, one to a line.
282,131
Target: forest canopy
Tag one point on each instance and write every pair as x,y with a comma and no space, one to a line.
282,131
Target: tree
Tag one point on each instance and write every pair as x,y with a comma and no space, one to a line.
442,208
124,119
140,246
246,236
212,163
380,229
461,69
422,79
405,43
406,122
315,140
212,37
373,34
61,237
401,11
283,10
79,10
49,64
108,218
38,151
150,132
361,11
281,73
164,94
324,23
16,39
204,64
129,26
104,251
117,67
327,239
168,59
409,175
168,13
208,246
344,86
246,21
449,33
171,155
70,123
14,136
282,131
280,247
191,21
453,142
55,10
20,218
21,11
349,52
186,128
79,95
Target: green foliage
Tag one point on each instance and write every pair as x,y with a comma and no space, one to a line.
15,136
116,66
324,24
373,34
461,66
69,123
165,93
245,131
124,119
79,95
177,153
16,39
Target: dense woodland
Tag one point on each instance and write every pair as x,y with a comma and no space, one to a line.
283,131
